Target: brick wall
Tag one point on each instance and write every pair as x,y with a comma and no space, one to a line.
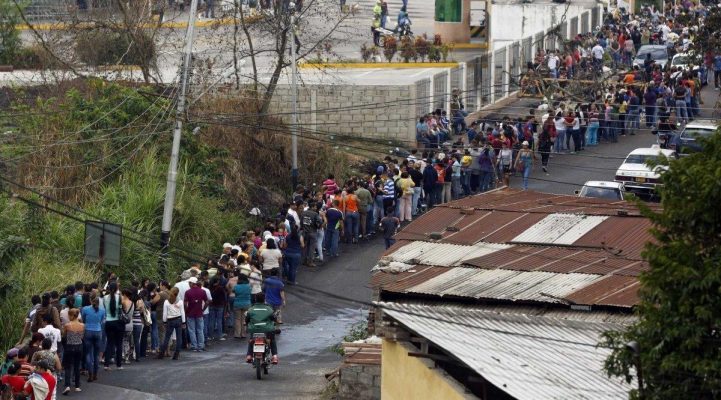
360,382
379,112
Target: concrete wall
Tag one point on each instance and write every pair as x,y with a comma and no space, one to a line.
509,22
389,111
405,377
360,382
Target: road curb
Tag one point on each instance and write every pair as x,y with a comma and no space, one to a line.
391,65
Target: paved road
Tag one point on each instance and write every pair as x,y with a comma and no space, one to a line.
313,323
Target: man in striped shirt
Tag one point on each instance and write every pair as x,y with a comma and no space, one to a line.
389,191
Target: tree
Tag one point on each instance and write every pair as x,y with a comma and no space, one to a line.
679,327
10,43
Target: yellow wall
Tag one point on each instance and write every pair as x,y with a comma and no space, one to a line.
405,377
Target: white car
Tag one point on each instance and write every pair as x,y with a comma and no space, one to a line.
602,190
684,62
639,177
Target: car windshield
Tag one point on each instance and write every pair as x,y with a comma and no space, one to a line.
696,133
640,158
679,60
656,54
600,192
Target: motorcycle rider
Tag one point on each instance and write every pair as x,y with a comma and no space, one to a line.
260,318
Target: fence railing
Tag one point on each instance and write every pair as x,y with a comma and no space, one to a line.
491,77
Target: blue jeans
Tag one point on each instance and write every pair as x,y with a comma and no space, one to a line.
137,332
650,116
632,121
292,265
370,226
331,236
206,324
486,180
558,145
92,343
320,242
195,332
174,325
352,219
681,112
414,201
592,134
378,211
466,182
526,173
215,330
154,340
389,242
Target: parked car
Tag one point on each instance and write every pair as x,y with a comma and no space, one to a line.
602,190
636,175
685,62
659,54
687,141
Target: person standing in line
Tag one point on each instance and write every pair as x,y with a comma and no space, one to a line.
241,303
406,186
717,71
114,326
73,332
195,303
365,208
390,225
593,124
524,163
93,317
217,308
174,318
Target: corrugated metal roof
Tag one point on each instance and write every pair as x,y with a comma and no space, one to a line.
442,254
414,277
560,229
502,284
611,290
628,235
529,358
559,259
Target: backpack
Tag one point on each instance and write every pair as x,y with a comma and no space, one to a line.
397,188
145,314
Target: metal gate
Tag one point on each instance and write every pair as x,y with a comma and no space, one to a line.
423,96
440,90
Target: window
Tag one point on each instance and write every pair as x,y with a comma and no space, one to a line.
449,10
656,54
640,158
696,133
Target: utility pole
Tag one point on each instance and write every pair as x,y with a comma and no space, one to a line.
294,99
175,150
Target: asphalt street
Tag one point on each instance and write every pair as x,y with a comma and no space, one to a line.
313,323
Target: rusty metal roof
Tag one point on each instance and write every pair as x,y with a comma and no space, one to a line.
512,245
611,290
400,282
504,284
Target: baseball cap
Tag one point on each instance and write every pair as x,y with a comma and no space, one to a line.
236,247
12,353
525,143
193,279
226,245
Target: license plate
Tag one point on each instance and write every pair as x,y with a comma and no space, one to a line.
258,348
640,179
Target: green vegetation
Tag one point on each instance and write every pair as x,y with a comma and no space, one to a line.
358,331
678,332
10,43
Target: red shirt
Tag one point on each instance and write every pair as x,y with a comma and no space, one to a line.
16,383
195,298
50,379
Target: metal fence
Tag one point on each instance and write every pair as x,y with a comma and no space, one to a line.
485,64
595,17
515,66
54,10
485,80
423,95
440,90
584,22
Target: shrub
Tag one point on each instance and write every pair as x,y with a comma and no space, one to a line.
445,49
422,47
365,52
434,53
408,50
437,39
10,42
105,47
391,48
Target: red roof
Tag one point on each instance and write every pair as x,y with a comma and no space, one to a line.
609,245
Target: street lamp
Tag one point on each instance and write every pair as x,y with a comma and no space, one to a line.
634,347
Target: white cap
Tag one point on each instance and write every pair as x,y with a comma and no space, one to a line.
193,279
236,247
525,143
226,245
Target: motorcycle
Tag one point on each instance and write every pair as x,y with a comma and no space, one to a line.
261,354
